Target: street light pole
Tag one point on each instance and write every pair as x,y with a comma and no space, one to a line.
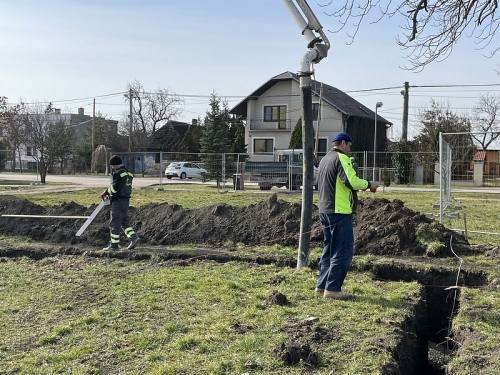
377,106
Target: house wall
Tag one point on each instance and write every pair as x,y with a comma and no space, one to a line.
287,93
492,164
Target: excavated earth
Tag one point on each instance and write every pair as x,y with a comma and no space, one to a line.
381,227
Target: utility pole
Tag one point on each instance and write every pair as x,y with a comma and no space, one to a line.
93,132
406,96
93,126
131,121
317,50
316,139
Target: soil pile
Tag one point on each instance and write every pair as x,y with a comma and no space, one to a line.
381,227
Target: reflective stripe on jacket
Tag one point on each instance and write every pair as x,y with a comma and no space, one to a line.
337,180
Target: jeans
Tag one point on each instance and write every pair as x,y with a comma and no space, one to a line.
337,251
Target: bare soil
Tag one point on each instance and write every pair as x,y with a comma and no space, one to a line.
381,227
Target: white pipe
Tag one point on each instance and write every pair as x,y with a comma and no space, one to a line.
48,216
299,20
306,61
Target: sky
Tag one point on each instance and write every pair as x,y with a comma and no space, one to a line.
70,52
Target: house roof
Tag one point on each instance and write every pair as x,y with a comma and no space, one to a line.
480,155
333,96
168,137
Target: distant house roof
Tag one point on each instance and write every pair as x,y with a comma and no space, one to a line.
480,155
168,137
333,96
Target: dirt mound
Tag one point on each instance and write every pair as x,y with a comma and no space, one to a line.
381,227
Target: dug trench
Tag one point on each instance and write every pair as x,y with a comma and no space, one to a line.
385,229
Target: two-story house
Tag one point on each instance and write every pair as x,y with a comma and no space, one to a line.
271,112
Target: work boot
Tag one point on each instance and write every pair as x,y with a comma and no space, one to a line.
134,240
337,295
111,246
319,292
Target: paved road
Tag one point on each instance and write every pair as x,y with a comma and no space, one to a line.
79,182
86,182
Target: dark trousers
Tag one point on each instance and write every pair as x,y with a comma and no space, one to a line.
119,220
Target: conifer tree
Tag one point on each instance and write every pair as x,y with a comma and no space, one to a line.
296,137
215,139
191,142
238,146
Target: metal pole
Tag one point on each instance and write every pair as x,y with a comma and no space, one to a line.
131,121
308,172
93,126
377,106
317,50
404,133
440,177
47,216
316,139
160,188
375,144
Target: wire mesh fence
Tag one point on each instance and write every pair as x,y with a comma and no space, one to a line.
469,167
398,168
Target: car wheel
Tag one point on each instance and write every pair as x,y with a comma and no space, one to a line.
169,177
183,175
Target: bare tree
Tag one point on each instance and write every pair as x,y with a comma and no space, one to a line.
35,133
60,143
151,110
99,158
486,120
439,118
12,127
431,27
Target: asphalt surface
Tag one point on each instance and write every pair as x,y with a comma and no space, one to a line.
101,181
79,182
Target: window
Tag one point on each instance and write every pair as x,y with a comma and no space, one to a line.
322,147
263,146
315,112
277,114
30,151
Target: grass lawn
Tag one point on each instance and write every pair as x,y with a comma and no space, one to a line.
85,316
91,315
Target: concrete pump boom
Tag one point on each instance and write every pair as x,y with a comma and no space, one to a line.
318,46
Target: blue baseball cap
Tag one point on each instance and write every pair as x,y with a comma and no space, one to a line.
342,137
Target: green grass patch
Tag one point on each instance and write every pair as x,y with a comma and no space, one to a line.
82,316
477,326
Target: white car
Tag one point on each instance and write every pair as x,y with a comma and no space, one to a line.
184,170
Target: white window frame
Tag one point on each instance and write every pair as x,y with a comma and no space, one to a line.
272,139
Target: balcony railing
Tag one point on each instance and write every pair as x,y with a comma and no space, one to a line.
270,125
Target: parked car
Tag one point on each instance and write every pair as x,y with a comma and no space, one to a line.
184,170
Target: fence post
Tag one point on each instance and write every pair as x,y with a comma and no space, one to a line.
478,173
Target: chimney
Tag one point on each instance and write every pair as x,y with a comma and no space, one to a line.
194,122
57,111
81,111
